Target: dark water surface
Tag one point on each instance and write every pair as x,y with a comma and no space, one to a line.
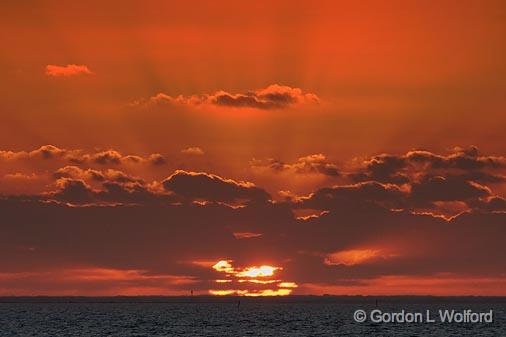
298,316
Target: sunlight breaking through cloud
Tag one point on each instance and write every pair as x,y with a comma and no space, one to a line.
255,275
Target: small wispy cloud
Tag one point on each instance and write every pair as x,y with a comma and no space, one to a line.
195,151
68,70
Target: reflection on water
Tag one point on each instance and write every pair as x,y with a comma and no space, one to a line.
254,317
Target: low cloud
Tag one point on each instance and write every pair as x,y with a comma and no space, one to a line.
210,187
439,188
358,239
78,192
368,193
467,163
345,235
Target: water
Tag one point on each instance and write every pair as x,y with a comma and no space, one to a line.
253,317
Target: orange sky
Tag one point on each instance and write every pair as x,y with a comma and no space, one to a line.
271,112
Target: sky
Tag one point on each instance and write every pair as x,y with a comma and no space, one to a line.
252,148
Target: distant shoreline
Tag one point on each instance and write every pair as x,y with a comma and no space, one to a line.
344,299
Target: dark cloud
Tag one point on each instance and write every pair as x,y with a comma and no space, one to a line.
387,195
209,187
439,188
116,187
76,191
383,168
402,169
166,238
420,195
106,218
135,193
157,159
242,101
491,204
463,159
272,97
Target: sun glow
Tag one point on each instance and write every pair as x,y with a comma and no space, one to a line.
261,271
267,292
223,281
258,281
287,285
256,276
222,292
352,257
224,266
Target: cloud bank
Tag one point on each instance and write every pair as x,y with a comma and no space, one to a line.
360,237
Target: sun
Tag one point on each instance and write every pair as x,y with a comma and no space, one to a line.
262,271
237,278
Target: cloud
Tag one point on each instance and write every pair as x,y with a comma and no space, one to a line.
91,281
350,244
23,183
467,163
157,159
428,182
490,204
353,257
383,168
195,151
210,187
67,71
463,159
272,97
43,152
437,183
422,195
78,192
87,186
20,177
78,156
339,197
360,233
75,172
311,164
439,188
107,157
246,235
74,191
48,152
